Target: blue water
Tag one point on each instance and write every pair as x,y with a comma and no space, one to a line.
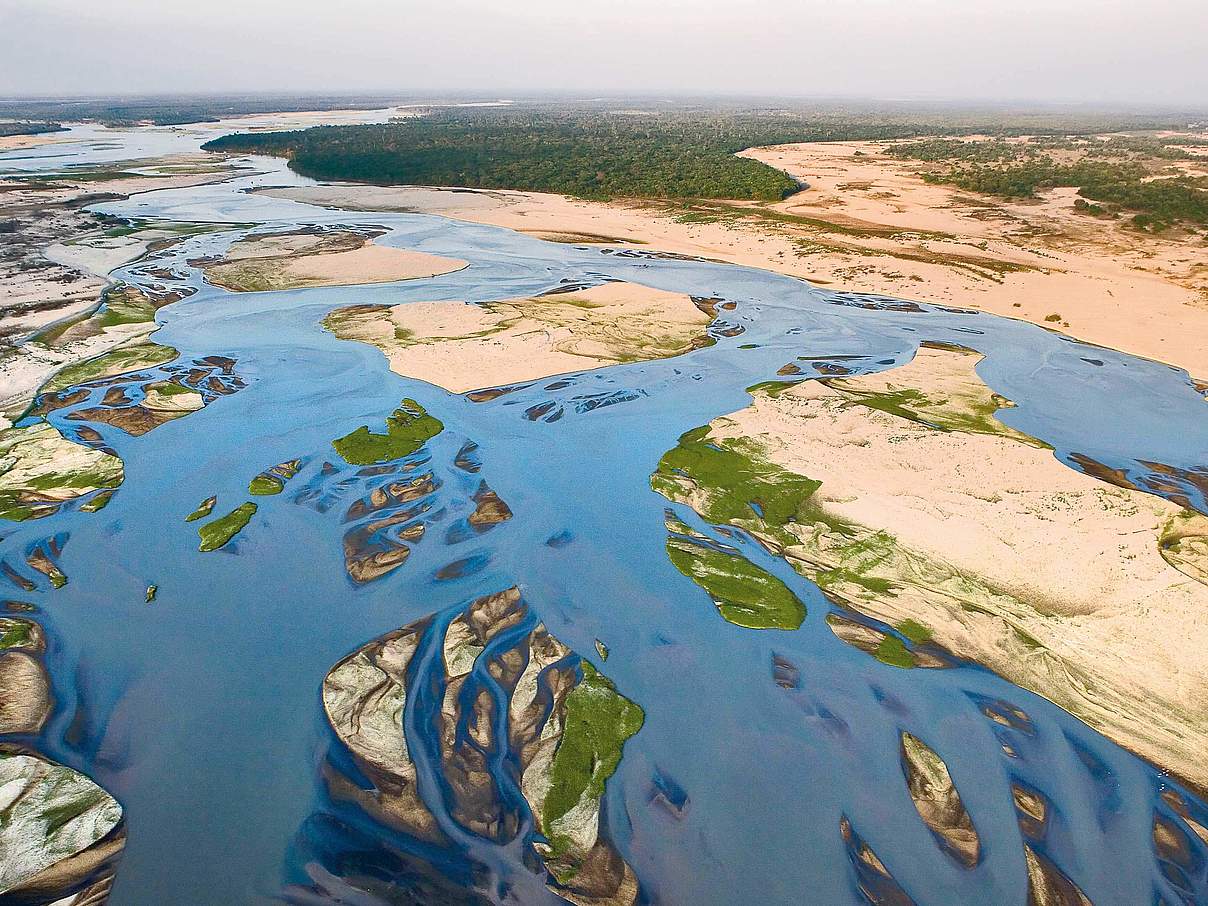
201,711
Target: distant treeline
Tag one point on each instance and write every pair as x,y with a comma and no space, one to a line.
1118,172
585,156
592,151
175,111
28,128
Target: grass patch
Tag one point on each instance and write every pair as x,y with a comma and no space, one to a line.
745,595
598,722
915,631
738,484
217,533
408,429
265,485
203,509
893,652
119,361
15,633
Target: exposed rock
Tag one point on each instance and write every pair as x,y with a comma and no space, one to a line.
938,802
1184,544
61,834
364,696
1176,802
164,401
44,558
1031,810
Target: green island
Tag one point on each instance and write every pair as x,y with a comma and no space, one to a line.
203,509
408,429
272,481
217,533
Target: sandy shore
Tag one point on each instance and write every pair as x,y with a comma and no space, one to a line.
461,347
338,258
963,525
868,222
17,142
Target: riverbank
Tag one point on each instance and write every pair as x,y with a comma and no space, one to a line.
933,516
868,222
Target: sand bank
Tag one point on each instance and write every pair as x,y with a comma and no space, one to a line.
300,259
464,347
996,550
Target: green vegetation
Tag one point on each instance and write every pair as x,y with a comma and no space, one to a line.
119,361
126,305
40,470
408,429
98,502
915,631
893,652
587,156
265,485
15,633
666,151
217,533
598,722
745,595
272,480
1126,180
29,128
203,509
739,484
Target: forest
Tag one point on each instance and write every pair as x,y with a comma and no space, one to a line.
591,151
27,127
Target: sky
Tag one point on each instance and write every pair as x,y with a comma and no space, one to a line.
1136,52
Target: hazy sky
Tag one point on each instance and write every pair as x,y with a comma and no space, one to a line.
1147,51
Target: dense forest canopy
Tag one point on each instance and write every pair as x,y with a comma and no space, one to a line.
28,128
594,152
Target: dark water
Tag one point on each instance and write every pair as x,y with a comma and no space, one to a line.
201,712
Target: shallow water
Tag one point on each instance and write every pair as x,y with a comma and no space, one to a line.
201,711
